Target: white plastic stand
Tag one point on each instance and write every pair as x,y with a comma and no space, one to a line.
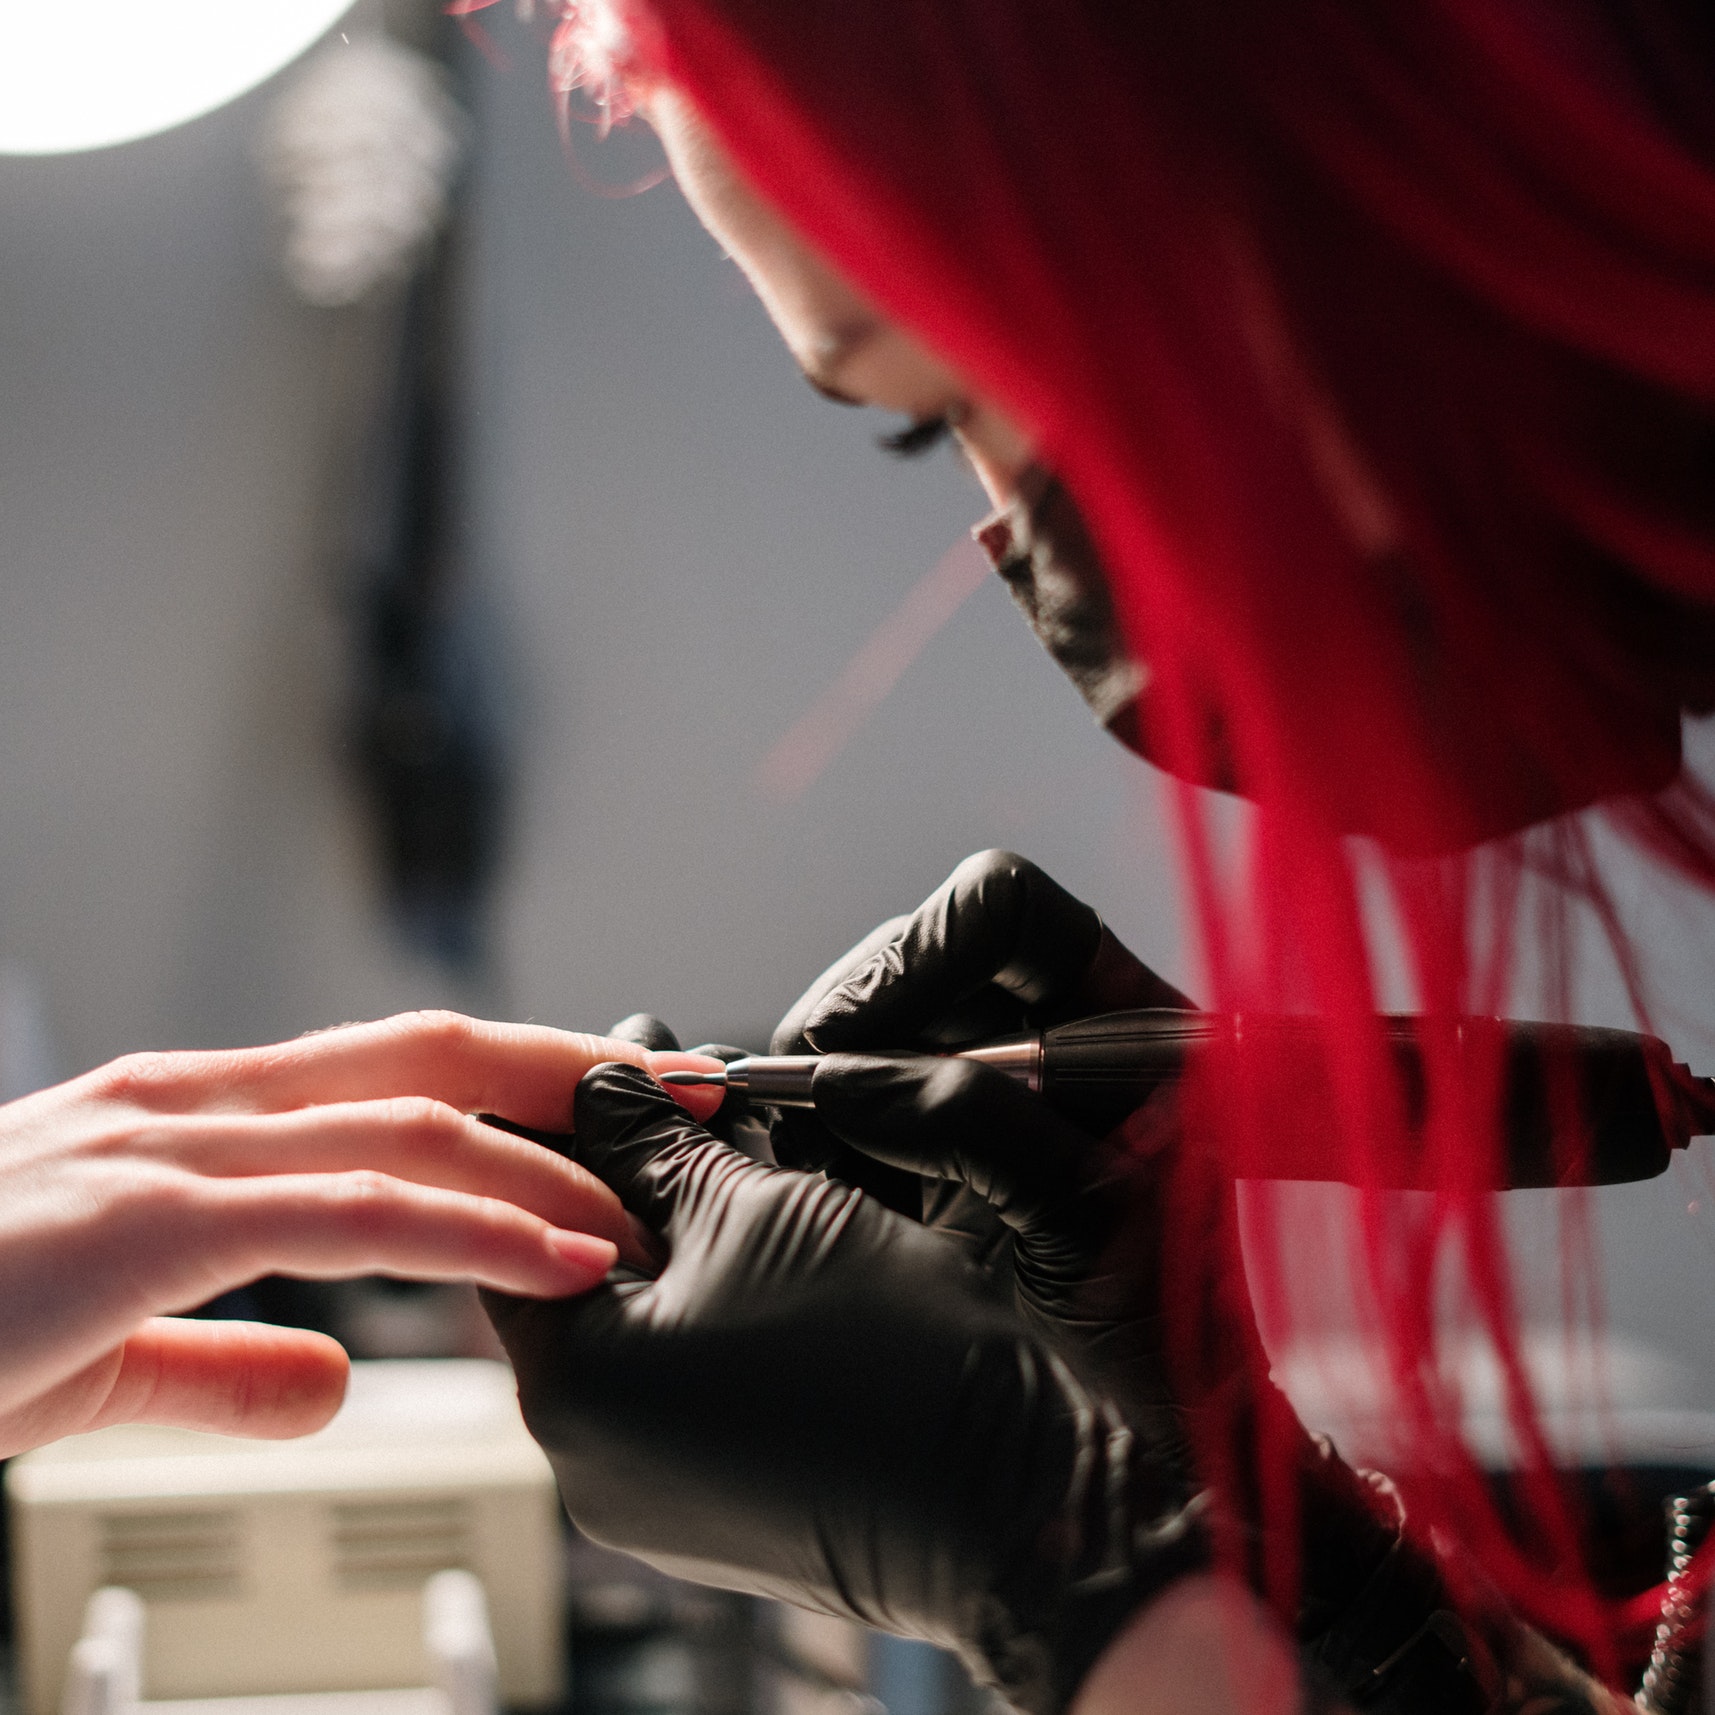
105,1673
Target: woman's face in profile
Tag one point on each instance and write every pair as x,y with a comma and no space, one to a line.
848,350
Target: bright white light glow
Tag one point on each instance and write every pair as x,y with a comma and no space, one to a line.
83,74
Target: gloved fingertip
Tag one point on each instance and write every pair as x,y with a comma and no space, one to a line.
647,1031
822,1032
856,1092
612,1088
856,1013
848,1024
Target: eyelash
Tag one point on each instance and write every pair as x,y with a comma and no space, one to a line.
916,439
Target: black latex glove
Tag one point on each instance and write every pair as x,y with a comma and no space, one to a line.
997,948
822,1401
1075,1223
1072,1222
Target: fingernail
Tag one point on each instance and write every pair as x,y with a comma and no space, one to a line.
700,1101
584,1257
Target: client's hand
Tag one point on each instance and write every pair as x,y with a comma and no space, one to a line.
156,1183
822,1401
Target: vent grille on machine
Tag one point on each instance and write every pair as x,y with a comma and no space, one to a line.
173,1557
395,1545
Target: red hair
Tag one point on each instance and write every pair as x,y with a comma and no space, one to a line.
1377,344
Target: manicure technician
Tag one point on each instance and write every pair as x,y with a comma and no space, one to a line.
1343,379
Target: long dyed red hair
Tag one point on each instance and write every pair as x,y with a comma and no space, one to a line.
1377,344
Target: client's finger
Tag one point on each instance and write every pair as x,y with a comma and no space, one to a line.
408,1137
232,1378
331,1225
700,1101
524,1072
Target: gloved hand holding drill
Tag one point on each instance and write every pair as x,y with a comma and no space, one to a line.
1074,1224
820,1400
1069,1223
952,1417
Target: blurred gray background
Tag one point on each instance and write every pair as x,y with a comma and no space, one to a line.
684,546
